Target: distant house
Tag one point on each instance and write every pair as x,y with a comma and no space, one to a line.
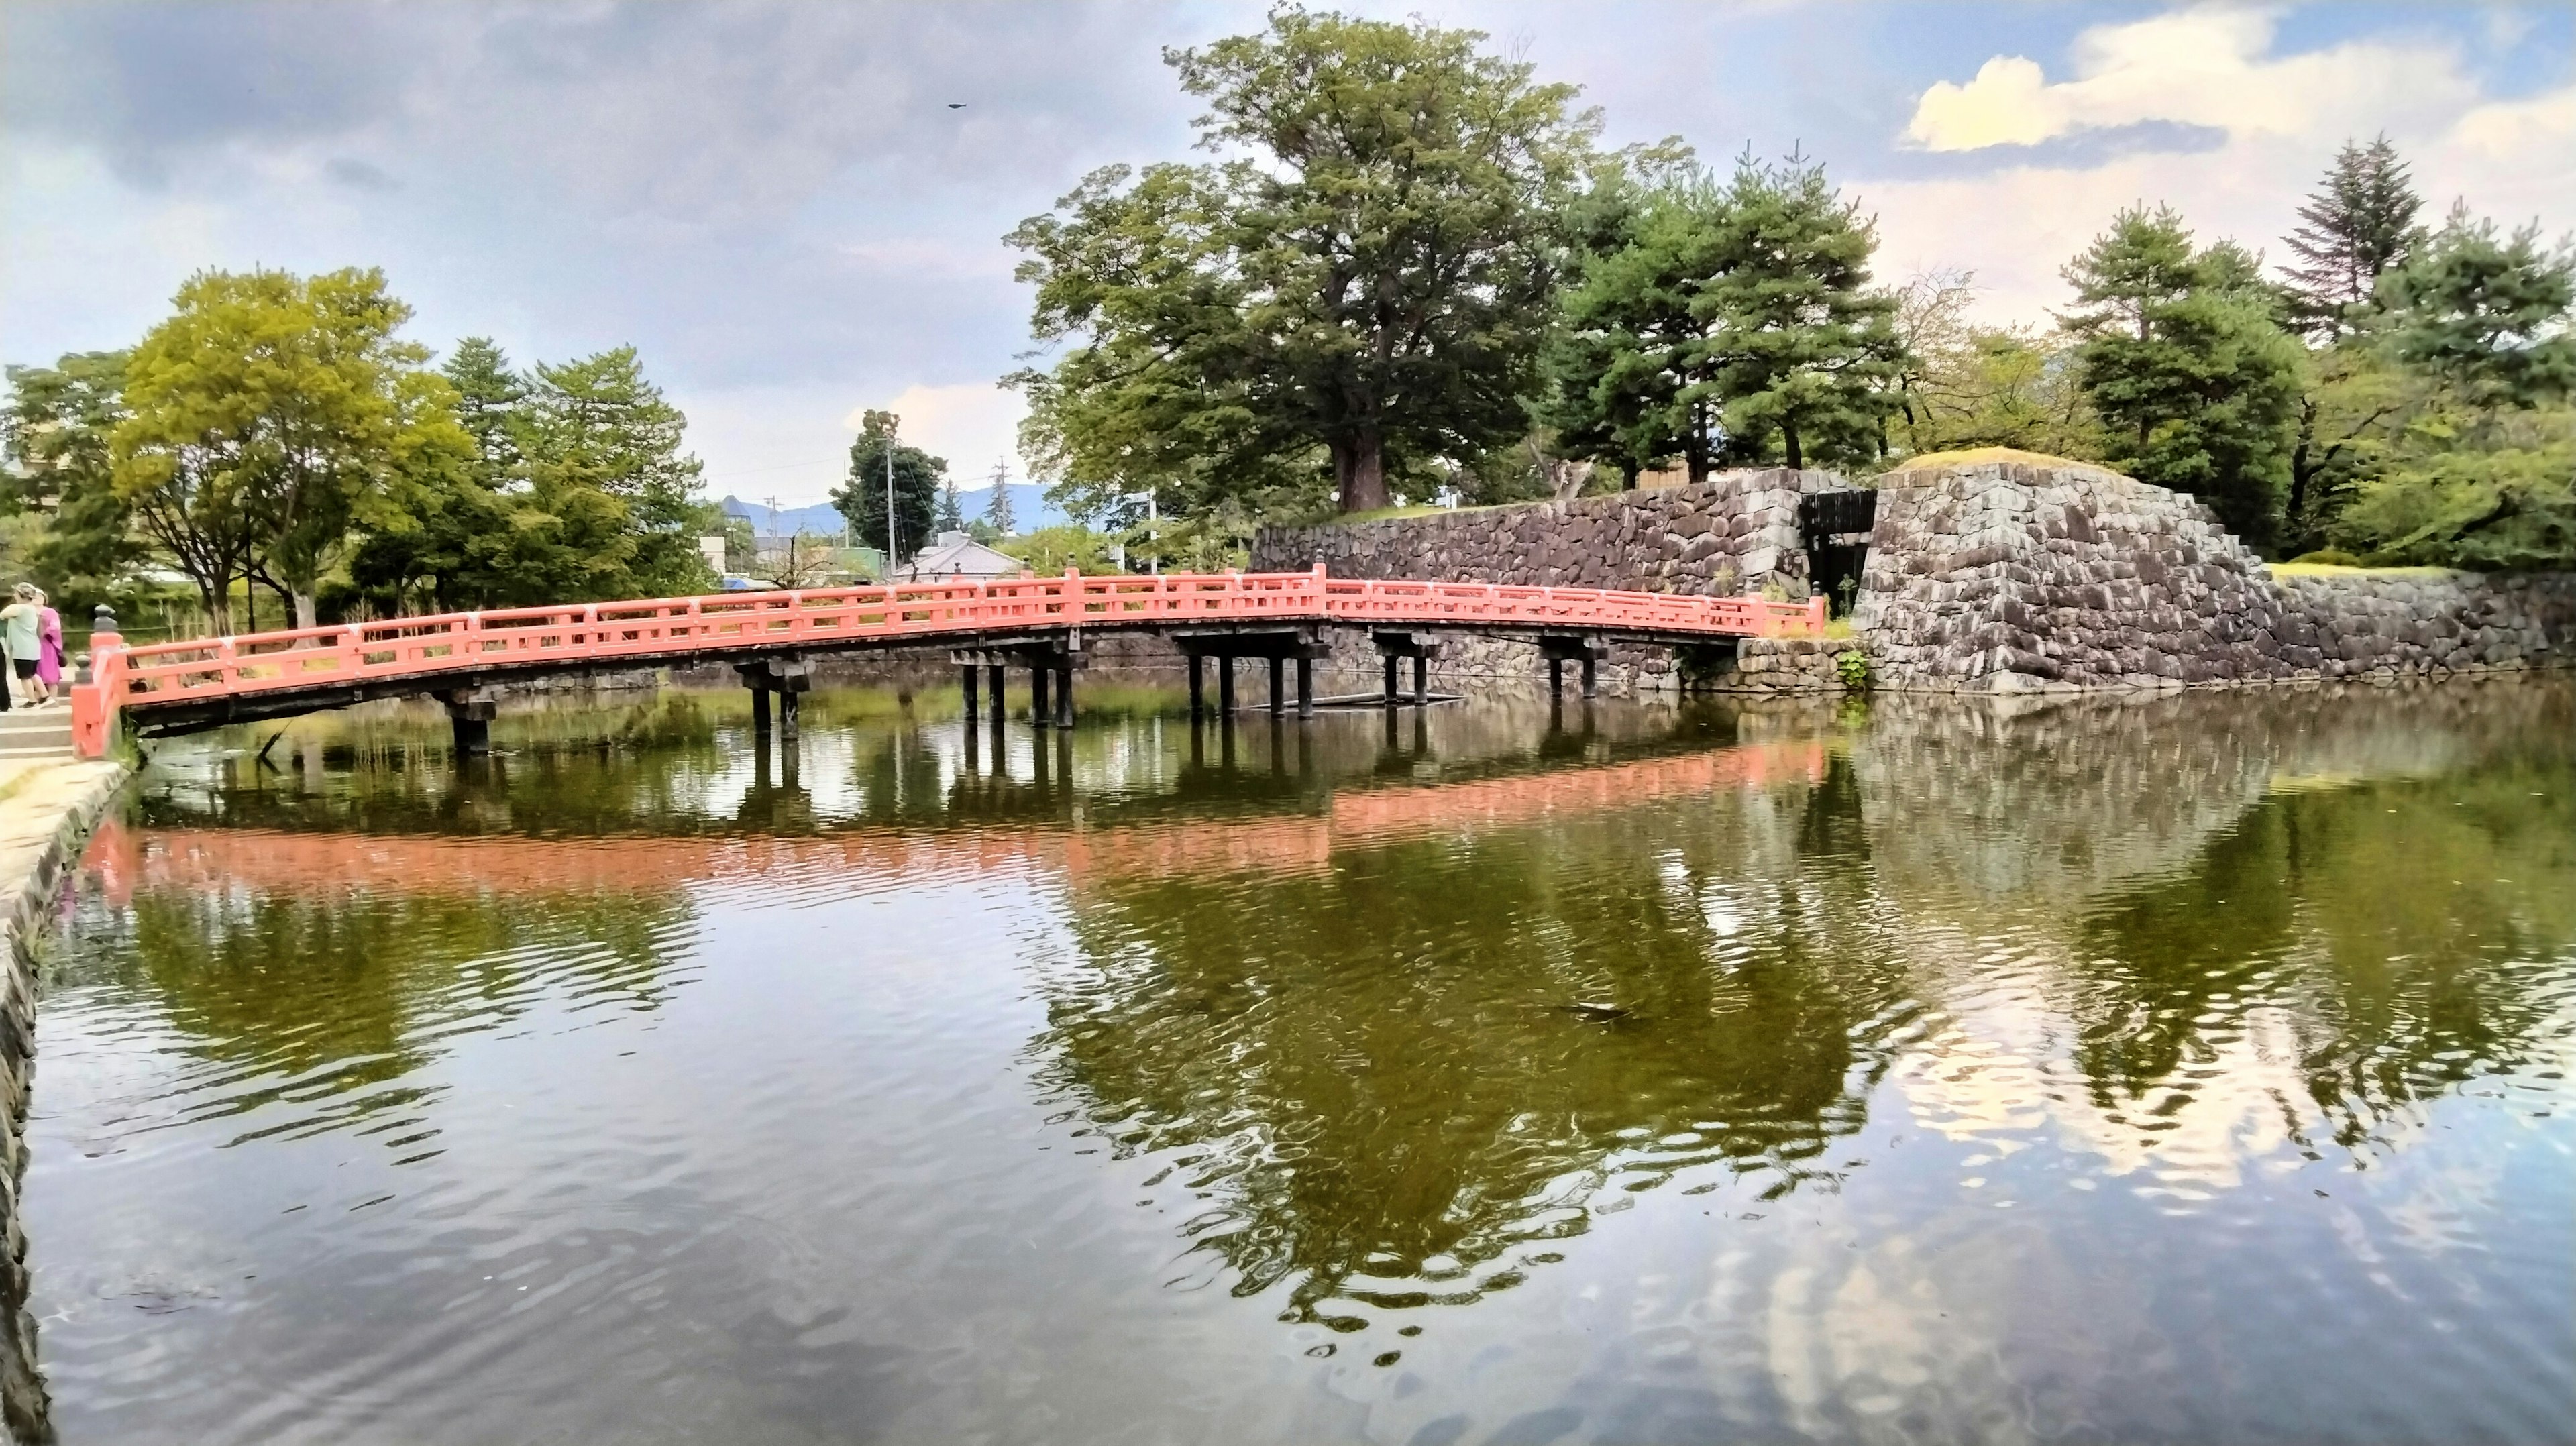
956,555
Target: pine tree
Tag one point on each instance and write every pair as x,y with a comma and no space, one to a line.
997,511
951,517
1806,347
2360,226
2179,353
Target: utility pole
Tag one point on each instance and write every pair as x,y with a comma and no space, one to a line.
889,506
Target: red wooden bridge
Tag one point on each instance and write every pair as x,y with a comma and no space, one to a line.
1039,623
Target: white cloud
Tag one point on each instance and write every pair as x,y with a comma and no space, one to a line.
2196,67
2280,118
972,424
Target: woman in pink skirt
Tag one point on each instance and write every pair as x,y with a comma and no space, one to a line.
49,653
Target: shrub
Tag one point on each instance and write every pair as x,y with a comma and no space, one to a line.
1853,665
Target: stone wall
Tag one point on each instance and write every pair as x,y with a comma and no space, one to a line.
1987,572
2008,575
1732,534
45,821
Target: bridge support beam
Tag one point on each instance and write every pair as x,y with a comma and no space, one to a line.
788,677
1050,659
469,717
1421,648
1585,648
1275,642
971,685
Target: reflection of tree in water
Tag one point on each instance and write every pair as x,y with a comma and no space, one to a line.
1371,1078
322,999
2413,935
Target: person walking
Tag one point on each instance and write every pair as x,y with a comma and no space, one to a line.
49,645
22,624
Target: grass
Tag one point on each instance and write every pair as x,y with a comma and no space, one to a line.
2336,569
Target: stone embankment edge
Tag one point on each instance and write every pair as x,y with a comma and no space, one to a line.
45,822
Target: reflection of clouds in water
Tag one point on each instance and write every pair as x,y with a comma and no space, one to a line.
1999,1071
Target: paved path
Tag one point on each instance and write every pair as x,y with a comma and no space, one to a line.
33,738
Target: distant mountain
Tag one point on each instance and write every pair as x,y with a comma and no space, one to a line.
821,519
1029,507
1029,510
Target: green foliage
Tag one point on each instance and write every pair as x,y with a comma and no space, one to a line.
2479,469
1960,385
2181,357
1365,281
573,487
611,505
1808,347
2357,228
56,432
951,518
1051,551
2350,403
1852,666
1724,322
916,480
2486,315
266,415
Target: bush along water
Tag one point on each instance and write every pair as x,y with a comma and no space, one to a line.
1853,666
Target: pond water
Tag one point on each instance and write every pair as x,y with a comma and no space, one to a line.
2189,1071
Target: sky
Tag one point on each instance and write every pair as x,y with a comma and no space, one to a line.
794,210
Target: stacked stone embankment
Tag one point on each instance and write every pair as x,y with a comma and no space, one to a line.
1735,533
46,815
1987,572
2010,575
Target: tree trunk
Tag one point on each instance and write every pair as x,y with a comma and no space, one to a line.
1359,469
1789,434
305,616
218,601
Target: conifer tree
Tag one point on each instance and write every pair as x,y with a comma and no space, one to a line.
2359,226
2195,383
997,508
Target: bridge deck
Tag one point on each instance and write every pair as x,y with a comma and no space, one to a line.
212,680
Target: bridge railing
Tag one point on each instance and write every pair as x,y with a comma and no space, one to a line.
462,643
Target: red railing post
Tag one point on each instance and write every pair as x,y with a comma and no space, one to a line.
95,703
1816,616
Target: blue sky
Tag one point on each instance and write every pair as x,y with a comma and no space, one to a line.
775,203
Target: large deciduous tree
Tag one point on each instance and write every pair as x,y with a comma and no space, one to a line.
2182,358
1364,274
266,414
1960,384
917,477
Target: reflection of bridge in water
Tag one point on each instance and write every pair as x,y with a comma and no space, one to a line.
770,639
287,861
